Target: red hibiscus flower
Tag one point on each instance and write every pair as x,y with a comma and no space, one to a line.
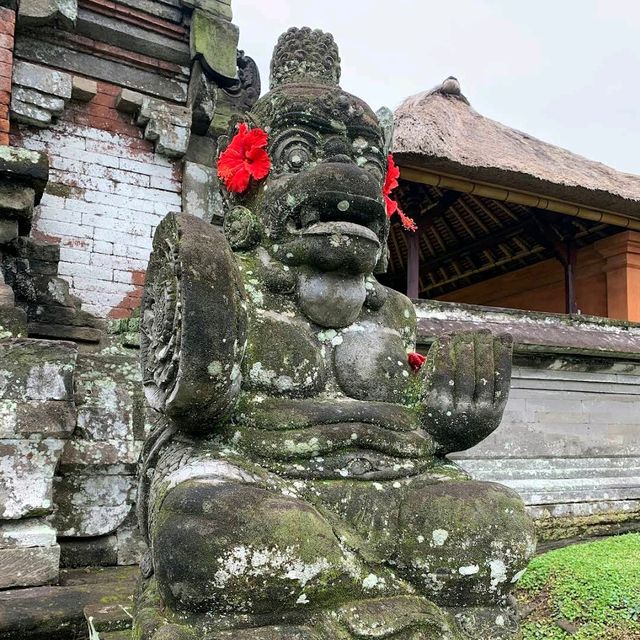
390,183
415,360
243,159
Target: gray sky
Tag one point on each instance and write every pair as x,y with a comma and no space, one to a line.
565,71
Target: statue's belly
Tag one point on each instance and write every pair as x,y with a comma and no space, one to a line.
371,364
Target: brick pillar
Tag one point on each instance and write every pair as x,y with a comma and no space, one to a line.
622,267
7,28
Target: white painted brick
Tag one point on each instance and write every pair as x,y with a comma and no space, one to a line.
85,271
82,181
146,168
104,222
104,286
164,208
119,201
103,247
59,215
49,200
76,256
87,156
118,262
155,195
138,252
166,184
116,237
83,244
122,276
105,299
56,228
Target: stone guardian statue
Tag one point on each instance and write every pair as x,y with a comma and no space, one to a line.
295,485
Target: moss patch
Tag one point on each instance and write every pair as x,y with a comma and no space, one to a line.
584,592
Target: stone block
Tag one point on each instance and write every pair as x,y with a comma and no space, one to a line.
41,12
129,101
214,41
91,505
167,125
17,201
8,231
83,89
201,97
101,551
32,532
107,617
37,370
220,8
13,321
50,104
100,455
27,476
28,567
43,79
49,418
131,544
201,195
202,150
26,167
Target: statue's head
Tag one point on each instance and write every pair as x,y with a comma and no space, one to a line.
321,206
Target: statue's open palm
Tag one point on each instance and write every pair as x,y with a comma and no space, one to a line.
467,378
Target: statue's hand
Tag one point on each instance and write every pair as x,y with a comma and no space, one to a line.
466,388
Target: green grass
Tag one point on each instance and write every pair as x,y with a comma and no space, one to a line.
592,589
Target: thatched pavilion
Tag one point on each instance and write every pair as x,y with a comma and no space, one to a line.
507,220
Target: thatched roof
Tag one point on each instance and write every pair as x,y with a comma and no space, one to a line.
439,131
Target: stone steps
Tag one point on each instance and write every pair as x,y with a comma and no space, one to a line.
58,612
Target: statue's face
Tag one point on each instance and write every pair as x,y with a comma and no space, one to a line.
322,206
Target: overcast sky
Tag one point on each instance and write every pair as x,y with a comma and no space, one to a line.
565,71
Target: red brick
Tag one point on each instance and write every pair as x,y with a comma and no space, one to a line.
105,99
138,277
6,40
119,313
5,97
5,69
6,56
7,20
4,111
4,126
5,86
4,138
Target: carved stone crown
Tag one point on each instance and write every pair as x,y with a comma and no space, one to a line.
305,56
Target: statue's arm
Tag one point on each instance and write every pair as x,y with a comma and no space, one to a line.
193,324
466,386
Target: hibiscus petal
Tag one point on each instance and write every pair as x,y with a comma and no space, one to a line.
260,164
256,138
239,182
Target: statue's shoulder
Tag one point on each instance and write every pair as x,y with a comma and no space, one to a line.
392,308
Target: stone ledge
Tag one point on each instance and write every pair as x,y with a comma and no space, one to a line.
57,613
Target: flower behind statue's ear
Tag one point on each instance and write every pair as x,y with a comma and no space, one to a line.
244,158
390,183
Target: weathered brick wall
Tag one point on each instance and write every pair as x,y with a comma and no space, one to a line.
107,192
7,26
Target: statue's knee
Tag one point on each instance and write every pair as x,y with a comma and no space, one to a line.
257,551
464,542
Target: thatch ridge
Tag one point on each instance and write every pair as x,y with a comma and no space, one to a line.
440,131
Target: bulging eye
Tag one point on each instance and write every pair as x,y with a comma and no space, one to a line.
297,156
293,150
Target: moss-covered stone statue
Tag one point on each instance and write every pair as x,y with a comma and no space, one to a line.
296,485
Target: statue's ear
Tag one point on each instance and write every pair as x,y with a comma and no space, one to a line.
385,118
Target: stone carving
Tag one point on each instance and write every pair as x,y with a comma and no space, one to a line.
295,484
